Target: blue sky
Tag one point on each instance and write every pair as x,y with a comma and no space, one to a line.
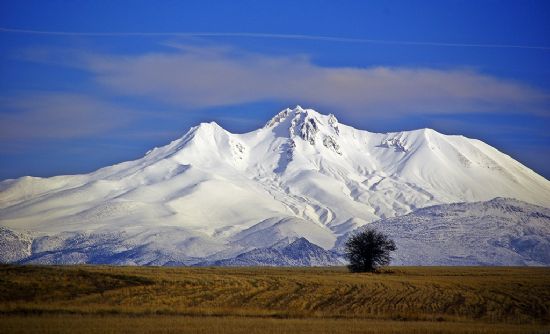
85,84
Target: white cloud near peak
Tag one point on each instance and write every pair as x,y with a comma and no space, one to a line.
197,77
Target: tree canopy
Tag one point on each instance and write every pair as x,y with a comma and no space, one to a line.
368,250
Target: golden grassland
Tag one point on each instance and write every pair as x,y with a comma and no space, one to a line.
100,299
93,324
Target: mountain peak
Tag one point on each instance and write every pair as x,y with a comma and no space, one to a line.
285,113
205,129
308,125
297,110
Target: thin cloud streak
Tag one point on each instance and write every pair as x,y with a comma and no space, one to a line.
274,36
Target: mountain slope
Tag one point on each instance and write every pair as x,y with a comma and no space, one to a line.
300,253
497,232
214,194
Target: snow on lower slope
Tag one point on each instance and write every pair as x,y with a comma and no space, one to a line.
496,232
213,194
300,252
14,246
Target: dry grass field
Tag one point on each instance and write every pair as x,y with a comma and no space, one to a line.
102,299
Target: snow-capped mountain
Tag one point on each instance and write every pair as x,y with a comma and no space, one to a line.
213,195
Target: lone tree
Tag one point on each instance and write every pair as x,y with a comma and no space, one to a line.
368,250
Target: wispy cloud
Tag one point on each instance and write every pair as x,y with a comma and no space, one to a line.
272,36
194,77
198,77
56,115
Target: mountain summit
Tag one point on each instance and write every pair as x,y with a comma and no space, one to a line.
214,194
